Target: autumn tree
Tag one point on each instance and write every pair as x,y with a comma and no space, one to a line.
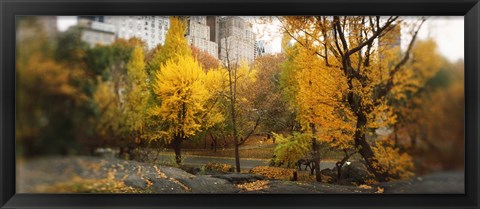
266,95
205,59
231,64
241,111
108,114
181,86
134,102
430,125
244,117
218,86
120,94
175,45
51,98
184,93
364,69
291,148
314,108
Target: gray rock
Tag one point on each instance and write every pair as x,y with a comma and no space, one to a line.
286,187
151,176
166,186
208,184
191,169
339,189
355,172
135,181
176,173
238,178
446,182
330,172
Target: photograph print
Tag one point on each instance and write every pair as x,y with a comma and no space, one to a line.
240,104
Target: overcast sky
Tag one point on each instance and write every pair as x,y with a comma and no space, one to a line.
448,32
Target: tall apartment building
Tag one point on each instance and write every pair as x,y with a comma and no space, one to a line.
213,23
198,35
259,48
236,39
47,24
151,29
96,32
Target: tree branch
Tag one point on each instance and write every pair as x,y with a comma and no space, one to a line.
372,38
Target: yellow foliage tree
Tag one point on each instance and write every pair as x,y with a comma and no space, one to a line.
349,69
107,124
183,89
136,98
49,94
122,100
397,164
175,44
291,148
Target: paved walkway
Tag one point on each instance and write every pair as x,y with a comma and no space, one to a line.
199,161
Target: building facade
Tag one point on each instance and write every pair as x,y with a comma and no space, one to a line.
213,23
95,32
198,35
150,29
259,48
47,25
218,36
236,40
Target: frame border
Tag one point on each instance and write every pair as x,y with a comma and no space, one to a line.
470,9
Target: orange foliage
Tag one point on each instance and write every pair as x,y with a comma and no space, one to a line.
205,59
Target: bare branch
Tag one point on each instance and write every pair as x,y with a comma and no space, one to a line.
407,53
373,37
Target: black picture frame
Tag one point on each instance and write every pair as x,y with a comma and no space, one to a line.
470,9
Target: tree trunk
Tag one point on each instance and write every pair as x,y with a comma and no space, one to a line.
316,154
395,135
214,144
176,144
366,151
339,170
205,144
234,123
237,155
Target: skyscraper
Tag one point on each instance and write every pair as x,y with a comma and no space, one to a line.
46,24
151,29
236,40
259,48
198,35
96,32
213,23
